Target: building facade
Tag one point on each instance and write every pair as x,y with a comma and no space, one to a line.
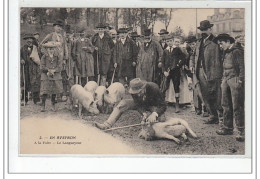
230,21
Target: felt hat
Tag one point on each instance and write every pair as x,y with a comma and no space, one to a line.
205,25
58,22
163,31
191,39
147,32
28,36
224,37
136,85
101,26
36,33
122,30
108,26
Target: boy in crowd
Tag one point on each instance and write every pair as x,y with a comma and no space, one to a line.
232,87
173,59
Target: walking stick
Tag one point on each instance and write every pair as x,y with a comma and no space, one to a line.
113,75
98,80
123,127
23,86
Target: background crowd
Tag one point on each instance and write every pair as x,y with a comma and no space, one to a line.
208,71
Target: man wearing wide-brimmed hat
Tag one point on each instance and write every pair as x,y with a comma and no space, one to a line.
30,69
123,57
147,99
207,65
232,87
149,59
103,50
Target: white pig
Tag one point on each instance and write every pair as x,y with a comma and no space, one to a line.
91,87
84,98
99,95
114,93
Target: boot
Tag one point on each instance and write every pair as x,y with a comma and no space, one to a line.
177,108
241,135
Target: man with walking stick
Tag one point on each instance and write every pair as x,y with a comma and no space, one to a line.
103,50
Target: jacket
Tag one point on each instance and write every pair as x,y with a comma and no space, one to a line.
152,101
233,63
212,58
172,60
48,63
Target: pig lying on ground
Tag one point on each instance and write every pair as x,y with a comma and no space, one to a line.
84,98
170,129
91,87
99,97
114,94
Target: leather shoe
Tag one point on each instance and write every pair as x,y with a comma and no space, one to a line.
100,126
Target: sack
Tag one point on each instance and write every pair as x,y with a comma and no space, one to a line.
35,56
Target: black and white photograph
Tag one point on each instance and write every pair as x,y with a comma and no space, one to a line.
150,81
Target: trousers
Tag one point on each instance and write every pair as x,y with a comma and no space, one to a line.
233,103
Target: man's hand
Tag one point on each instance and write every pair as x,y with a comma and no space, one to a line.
22,62
192,69
133,64
166,73
115,65
160,65
152,118
96,48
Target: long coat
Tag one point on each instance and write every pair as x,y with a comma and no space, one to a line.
32,73
70,61
84,59
212,58
105,49
124,56
51,85
147,61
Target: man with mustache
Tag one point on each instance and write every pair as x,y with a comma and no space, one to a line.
207,65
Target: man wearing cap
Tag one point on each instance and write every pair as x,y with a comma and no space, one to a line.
147,99
30,65
149,59
103,50
207,65
163,33
232,87
123,57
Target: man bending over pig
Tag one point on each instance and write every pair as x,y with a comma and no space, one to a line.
147,99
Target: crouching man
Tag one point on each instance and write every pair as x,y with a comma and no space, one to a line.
147,100
232,87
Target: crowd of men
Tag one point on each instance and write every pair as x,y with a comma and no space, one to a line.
215,65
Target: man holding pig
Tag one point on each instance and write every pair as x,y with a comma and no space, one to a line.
147,99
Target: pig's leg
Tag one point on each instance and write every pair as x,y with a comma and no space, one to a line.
186,125
80,110
168,136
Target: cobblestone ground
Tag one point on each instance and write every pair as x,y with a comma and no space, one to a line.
207,143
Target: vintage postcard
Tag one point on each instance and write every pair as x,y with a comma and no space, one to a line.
135,81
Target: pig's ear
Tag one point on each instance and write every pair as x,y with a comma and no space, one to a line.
91,103
107,92
95,102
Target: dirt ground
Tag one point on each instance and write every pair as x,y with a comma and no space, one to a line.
207,143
